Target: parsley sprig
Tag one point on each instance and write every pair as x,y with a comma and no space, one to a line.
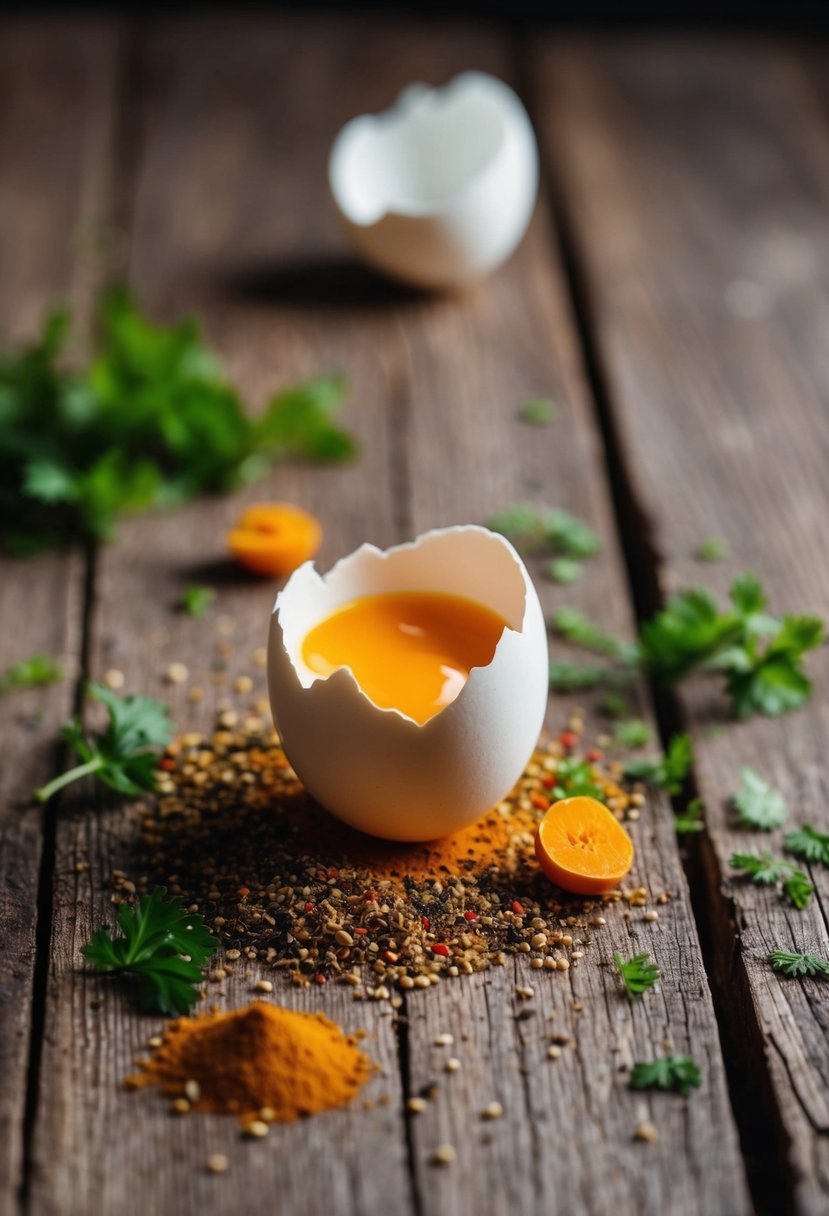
40,669
574,777
638,973
758,804
538,529
196,600
151,422
788,962
162,946
123,756
768,871
809,844
669,772
692,819
679,1074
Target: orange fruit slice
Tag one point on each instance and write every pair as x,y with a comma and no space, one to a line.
274,538
582,847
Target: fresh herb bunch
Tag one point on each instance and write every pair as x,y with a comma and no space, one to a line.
758,804
669,772
162,946
768,871
40,669
760,656
574,779
809,844
787,962
679,1074
151,422
123,756
638,973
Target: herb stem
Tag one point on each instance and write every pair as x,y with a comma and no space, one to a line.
81,770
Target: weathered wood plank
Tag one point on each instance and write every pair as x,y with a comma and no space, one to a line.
52,140
694,176
566,1143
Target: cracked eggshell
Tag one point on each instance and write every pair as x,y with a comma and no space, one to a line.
438,190
377,769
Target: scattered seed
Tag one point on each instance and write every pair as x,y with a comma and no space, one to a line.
242,684
444,1154
256,1127
652,914
114,679
192,1091
217,1163
553,1052
179,1106
444,1040
263,986
494,1111
177,673
416,1106
646,1131
453,1064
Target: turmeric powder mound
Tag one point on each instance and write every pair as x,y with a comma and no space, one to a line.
258,1057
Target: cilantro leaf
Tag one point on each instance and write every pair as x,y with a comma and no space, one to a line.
773,682
540,411
576,627
691,819
298,421
638,973
195,600
162,946
670,771
577,677
689,631
31,673
758,804
678,1074
712,549
532,527
768,871
810,844
633,733
574,778
564,570
122,756
522,523
571,536
790,963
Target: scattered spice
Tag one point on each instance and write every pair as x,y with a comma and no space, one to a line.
260,1056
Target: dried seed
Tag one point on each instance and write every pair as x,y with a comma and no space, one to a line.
217,1163
445,1154
494,1111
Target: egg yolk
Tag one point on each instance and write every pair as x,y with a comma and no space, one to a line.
409,650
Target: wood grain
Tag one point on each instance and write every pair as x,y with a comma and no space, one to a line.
695,181
52,141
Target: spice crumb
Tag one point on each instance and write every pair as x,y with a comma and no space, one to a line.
445,1154
444,1040
177,673
218,1163
416,1106
179,1106
652,914
553,1052
256,1127
452,1064
263,986
646,1131
494,1111
114,679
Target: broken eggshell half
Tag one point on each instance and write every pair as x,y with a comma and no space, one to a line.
377,769
438,190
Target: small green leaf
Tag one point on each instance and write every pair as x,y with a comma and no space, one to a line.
679,1074
787,962
40,669
638,973
692,819
670,771
564,570
758,804
633,733
195,600
540,411
810,844
713,549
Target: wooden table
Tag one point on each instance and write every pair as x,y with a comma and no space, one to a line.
673,297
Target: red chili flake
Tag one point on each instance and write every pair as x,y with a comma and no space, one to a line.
517,908
390,957
540,802
371,897
361,932
424,920
319,978
470,915
168,764
243,891
595,754
440,949
309,907
333,873
567,738
548,782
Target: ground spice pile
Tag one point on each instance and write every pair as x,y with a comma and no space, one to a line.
282,882
259,1063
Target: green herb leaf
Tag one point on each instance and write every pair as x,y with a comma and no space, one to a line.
40,669
578,677
162,946
298,421
195,601
522,523
810,844
638,973
576,627
688,632
789,963
633,733
670,772
713,549
758,804
540,411
123,756
574,778
678,1074
615,706
571,536
692,818
564,570
769,871
773,682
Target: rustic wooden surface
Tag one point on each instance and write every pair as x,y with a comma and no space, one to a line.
211,183
708,293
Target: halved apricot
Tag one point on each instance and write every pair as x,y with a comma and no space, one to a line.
582,847
274,538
